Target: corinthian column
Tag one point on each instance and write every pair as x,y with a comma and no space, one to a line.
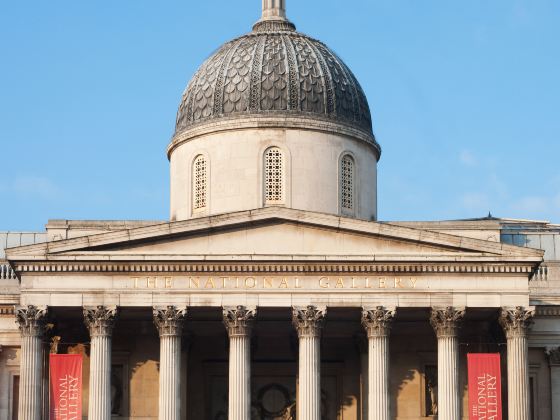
377,323
516,323
100,321
308,321
238,322
169,322
554,360
31,320
446,323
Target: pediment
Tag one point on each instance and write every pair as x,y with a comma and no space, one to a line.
273,233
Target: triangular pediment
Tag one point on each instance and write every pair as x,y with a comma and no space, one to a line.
273,233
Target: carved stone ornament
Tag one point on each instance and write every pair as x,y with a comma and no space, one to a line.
169,320
447,321
100,320
553,354
377,322
238,320
31,320
308,320
516,321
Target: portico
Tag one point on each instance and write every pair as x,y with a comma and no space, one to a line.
293,321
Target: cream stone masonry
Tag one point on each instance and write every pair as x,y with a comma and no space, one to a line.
308,321
446,323
169,322
31,320
377,323
238,322
99,321
516,323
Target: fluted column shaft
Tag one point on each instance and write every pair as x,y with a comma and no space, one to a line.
516,323
446,323
377,323
169,322
554,360
31,322
100,321
308,322
238,322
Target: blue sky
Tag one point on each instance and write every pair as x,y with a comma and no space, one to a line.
465,99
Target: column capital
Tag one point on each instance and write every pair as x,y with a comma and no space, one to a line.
378,321
447,321
169,320
308,320
31,320
100,320
239,320
516,321
553,354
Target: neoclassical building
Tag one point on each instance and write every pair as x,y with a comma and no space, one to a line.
273,292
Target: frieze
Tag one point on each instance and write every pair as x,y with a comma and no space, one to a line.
276,268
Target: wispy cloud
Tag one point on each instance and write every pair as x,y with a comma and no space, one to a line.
467,158
37,186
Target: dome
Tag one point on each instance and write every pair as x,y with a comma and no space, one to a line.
275,72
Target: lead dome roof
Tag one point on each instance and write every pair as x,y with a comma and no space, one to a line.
275,71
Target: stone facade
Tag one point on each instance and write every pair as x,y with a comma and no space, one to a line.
302,306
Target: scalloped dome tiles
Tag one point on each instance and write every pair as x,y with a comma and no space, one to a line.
274,70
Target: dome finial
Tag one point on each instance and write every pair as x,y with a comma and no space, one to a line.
273,10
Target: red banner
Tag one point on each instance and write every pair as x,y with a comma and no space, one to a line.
66,386
485,386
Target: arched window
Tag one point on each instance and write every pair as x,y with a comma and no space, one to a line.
273,176
200,183
347,183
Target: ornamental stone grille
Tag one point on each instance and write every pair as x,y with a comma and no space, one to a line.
200,183
347,183
273,175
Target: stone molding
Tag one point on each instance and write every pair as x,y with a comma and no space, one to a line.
378,321
308,320
553,354
241,268
447,321
239,320
100,320
7,310
31,320
517,321
169,320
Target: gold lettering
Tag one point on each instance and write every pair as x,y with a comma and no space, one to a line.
151,283
324,283
367,283
297,283
353,283
224,282
283,284
398,284
237,282
136,281
267,283
382,283
339,284
210,284
247,283
413,282
169,282
194,283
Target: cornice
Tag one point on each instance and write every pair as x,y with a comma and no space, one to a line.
266,267
7,310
